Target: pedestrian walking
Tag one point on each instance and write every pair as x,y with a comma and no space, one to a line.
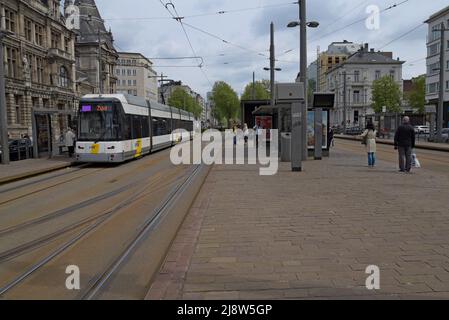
70,142
369,140
246,133
258,130
404,142
330,139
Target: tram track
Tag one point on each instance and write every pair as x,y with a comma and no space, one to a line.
96,223
34,244
94,290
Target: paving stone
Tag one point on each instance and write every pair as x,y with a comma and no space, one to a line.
312,236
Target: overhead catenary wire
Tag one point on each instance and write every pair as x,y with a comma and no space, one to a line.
221,12
320,37
403,35
176,16
358,21
225,41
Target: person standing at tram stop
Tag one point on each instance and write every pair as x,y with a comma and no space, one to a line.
369,140
246,133
258,130
70,141
404,142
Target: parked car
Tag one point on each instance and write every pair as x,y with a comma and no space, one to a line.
354,131
18,149
422,129
445,134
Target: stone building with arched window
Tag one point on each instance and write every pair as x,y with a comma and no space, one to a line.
39,61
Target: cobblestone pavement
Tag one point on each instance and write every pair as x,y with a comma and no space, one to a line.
312,235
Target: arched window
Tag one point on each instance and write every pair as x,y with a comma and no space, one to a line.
63,77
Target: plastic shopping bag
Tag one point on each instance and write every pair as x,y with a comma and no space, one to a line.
415,161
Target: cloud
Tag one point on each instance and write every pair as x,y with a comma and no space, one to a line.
250,29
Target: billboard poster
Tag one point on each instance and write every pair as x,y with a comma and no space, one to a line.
311,129
266,123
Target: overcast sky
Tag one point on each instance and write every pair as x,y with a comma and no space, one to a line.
162,37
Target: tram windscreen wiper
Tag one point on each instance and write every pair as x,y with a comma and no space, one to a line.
102,135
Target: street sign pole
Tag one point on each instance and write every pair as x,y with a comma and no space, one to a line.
318,133
297,138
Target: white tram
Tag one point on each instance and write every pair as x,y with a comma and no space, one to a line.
118,127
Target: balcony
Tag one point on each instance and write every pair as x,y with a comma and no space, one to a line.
58,54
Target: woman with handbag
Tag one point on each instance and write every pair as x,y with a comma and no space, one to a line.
369,140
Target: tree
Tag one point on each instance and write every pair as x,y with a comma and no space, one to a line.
260,91
417,96
386,92
311,89
227,104
182,100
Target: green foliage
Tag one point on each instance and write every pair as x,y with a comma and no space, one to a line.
182,100
311,89
227,104
386,92
260,91
417,97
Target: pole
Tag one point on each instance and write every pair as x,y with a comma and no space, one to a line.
100,80
344,102
440,116
3,112
318,133
303,73
296,146
272,83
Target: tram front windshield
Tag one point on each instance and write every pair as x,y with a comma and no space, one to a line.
98,122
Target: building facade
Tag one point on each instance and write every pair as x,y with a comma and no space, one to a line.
136,76
435,22
336,53
96,56
39,62
362,69
167,89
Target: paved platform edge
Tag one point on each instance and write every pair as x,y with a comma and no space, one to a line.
34,173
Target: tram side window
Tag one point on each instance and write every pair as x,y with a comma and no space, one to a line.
160,127
177,124
145,127
137,127
127,127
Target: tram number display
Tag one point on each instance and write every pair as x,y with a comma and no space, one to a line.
97,108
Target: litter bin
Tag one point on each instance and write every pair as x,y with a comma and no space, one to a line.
286,147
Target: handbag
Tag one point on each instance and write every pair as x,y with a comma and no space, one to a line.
365,140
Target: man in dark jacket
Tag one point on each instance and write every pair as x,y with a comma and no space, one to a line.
404,142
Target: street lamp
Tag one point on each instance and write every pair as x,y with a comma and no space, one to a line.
311,24
303,24
275,69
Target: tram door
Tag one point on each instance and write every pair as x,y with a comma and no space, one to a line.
43,130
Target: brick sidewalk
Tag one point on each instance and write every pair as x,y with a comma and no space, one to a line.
22,169
312,235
